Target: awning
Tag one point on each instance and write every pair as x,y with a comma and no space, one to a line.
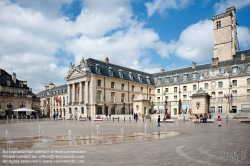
24,110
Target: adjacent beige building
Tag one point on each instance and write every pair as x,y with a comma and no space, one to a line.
98,87
16,94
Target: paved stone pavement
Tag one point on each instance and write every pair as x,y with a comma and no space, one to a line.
179,143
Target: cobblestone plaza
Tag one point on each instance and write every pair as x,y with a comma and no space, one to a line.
129,142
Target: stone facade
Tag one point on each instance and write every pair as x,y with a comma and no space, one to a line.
16,94
98,87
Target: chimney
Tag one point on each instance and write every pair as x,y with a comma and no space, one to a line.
14,77
243,57
24,82
46,87
193,65
51,85
107,60
215,61
162,70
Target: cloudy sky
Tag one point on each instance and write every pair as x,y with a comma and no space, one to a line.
39,38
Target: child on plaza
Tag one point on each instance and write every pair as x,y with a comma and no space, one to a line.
159,120
219,120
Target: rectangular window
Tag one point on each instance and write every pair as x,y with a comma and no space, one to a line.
99,82
8,91
220,84
122,87
234,95
175,111
194,87
133,97
166,89
82,110
212,109
218,24
112,85
166,98
184,97
220,96
150,99
206,86
234,82
99,96
141,89
112,97
158,99
70,112
184,88
248,94
175,89
248,80
133,88
158,91
149,91
123,97
220,109
175,99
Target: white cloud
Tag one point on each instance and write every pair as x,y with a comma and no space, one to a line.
220,7
162,6
243,37
195,42
31,39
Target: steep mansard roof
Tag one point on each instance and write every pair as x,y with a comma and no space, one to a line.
222,68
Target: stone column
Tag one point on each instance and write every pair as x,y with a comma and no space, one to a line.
73,94
69,94
80,93
86,92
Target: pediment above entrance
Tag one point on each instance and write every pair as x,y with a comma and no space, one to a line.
75,73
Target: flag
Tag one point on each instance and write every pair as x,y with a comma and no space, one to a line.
57,99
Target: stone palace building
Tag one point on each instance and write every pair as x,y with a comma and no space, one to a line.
97,87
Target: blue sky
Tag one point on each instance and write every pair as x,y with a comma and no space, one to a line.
40,38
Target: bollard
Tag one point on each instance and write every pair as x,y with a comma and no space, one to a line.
113,118
227,118
124,118
118,119
143,119
150,118
130,119
184,118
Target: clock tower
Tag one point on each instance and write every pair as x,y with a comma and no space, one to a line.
225,35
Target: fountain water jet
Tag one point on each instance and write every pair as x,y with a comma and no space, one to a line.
70,135
122,129
97,131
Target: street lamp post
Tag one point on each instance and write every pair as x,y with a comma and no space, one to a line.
179,100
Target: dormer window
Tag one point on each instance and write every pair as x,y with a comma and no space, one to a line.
97,68
159,80
195,76
235,70
148,79
185,76
139,77
21,84
8,83
120,73
167,80
130,75
248,68
176,78
110,71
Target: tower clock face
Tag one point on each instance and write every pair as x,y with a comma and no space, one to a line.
213,84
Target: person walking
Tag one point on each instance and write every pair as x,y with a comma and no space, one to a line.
159,120
219,121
